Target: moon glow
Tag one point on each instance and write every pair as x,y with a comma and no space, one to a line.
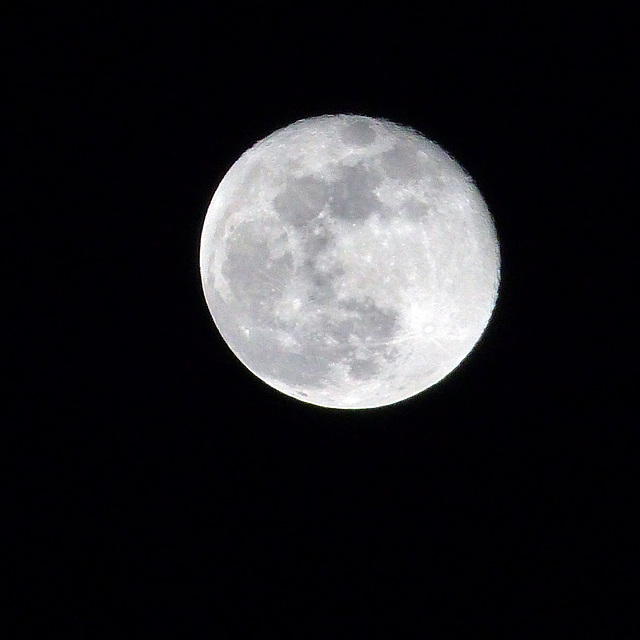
349,262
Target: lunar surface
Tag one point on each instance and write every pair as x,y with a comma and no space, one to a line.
349,262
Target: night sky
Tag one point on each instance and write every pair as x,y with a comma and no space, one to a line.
156,484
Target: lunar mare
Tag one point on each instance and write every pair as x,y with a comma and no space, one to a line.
349,262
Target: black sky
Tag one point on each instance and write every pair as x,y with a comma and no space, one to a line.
157,484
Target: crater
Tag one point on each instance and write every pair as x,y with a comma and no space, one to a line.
352,196
302,200
322,283
370,322
316,240
364,369
416,209
254,275
402,162
358,133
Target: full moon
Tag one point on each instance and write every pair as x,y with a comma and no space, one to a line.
349,262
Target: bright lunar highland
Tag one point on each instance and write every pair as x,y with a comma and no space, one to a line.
349,262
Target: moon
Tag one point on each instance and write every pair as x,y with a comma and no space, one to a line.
349,262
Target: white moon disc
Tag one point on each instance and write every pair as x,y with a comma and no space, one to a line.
349,262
